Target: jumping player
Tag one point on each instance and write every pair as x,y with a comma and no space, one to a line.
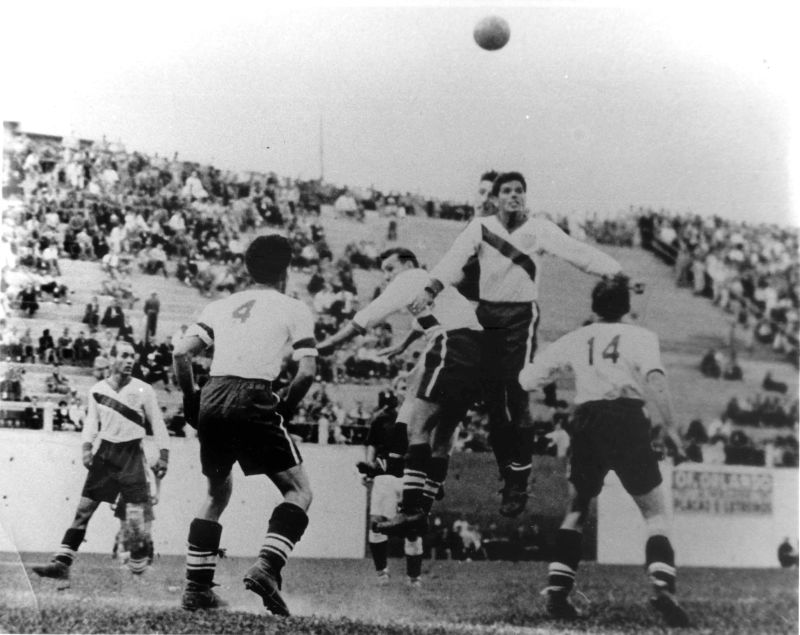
438,396
508,245
241,419
119,409
617,366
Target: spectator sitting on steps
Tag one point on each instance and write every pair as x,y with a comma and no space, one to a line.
771,385
58,382
787,555
710,366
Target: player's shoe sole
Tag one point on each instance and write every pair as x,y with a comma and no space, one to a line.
405,525
55,570
666,604
263,582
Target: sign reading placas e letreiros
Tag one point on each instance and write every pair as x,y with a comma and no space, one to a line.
710,492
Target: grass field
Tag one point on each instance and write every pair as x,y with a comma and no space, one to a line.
339,596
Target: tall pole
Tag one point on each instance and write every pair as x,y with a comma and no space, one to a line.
321,150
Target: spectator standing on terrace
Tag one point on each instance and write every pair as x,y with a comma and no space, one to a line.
152,306
91,315
508,245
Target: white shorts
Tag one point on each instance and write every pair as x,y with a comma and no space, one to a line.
387,492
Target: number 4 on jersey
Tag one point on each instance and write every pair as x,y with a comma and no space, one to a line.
243,312
609,352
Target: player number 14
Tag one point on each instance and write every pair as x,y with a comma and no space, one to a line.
609,352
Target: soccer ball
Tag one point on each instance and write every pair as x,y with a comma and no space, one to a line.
492,33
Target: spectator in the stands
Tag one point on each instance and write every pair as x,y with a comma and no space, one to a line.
57,382
152,306
114,317
29,300
11,387
710,365
65,351
91,315
47,347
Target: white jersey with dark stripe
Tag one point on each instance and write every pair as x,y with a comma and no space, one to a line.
250,331
508,262
449,312
610,360
118,416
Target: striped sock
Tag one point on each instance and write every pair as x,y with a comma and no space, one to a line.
436,475
286,527
660,559
69,546
415,476
518,474
201,557
561,572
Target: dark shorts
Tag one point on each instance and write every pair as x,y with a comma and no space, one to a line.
509,340
452,361
612,435
238,422
117,468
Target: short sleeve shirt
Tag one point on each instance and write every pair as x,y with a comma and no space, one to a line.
251,331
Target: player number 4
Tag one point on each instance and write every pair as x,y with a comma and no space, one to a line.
243,312
609,352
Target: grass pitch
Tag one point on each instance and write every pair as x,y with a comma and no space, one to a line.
339,596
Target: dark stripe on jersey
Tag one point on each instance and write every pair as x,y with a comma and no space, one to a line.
427,321
509,251
209,331
469,286
121,408
309,342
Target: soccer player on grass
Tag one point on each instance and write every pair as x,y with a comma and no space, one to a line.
617,367
119,410
239,418
507,245
437,400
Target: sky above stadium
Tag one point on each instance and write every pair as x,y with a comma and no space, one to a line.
686,106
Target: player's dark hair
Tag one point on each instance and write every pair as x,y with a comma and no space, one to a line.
490,176
611,298
267,258
403,255
506,177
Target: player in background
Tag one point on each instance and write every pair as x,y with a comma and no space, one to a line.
239,418
386,445
507,245
617,367
438,397
119,409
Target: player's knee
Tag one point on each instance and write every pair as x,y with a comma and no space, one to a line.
413,547
375,538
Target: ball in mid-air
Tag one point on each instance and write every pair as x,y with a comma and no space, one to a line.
492,33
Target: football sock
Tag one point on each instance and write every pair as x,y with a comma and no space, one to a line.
436,475
201,557
414,476
413,551
379,548
660,562
69,546
561,572
286,527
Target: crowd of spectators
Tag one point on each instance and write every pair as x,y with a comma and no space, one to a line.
750,270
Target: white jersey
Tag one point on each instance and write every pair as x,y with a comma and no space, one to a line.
609,360
449,312
509,262
118,416
250,331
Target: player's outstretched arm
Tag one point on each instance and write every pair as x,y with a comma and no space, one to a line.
577,253
391,351
332,342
